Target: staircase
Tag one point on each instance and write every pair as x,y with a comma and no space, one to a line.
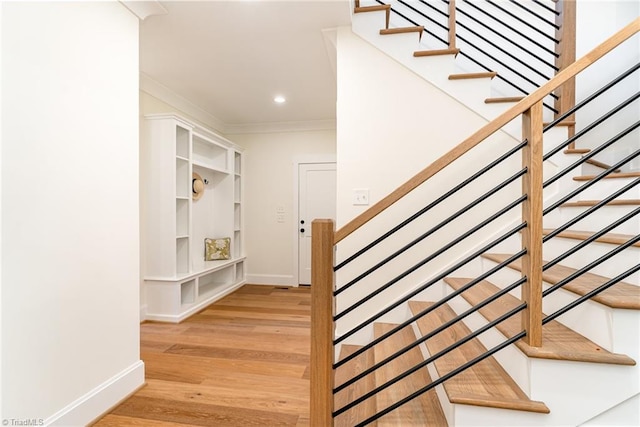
530,325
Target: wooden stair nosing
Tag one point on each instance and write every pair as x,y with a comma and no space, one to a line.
349,370
378,8
611,238
484,75
610,176
423,410
485,383
403,30
558,341
601,165
621,295
576,151
618,202
436,52
503,99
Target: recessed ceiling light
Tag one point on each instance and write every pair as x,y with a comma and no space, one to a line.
279,99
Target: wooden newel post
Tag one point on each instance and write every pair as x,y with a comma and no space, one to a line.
452,24
322,326
532,215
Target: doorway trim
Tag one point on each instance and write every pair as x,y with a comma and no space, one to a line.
297,161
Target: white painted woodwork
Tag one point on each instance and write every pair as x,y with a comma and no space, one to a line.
178,280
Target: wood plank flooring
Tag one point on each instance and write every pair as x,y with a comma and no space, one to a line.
243,361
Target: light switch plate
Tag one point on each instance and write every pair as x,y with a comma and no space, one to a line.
361,196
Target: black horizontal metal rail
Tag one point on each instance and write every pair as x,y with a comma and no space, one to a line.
429,232
590,266
591,154
592,209
529,39
506,52
454,372
539,3
591,182
540,17
434,280
592,125
594,292
429,207
512,42
590,98
470,58
517,18
440,251
441,328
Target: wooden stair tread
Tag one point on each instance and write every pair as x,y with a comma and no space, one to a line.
619,202
613,238
376,8
424,410
558,341
489,74
436,52
503,99
621,295
576,151
599,164
402,30
484,384
610,176
347,371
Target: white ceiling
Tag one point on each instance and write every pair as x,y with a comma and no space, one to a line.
230,58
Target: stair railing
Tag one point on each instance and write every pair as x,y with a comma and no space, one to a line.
325,239
490,36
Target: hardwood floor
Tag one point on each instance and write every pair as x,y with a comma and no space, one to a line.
243,361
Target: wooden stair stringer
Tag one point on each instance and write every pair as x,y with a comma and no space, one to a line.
558,341
349,370
485,384
621,295
425,410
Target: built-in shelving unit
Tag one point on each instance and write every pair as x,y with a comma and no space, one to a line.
178,280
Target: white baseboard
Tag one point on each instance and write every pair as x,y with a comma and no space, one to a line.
143,313
271,279
101,399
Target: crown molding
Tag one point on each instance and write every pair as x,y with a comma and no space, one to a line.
163,93
278,127
144,9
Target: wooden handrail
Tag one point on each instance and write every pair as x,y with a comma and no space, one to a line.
489,129
322,325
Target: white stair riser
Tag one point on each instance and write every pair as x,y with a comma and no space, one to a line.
608,186
622,261
596,220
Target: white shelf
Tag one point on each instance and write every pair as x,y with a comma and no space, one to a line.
178,281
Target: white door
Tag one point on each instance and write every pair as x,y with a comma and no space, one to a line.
316,199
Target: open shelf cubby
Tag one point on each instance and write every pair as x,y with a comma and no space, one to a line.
178,280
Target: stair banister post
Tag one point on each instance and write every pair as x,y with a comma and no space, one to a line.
532,215
322,325
452,24
566,49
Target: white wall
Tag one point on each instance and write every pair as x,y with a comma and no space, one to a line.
390,125
70,245
269,183
610,17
